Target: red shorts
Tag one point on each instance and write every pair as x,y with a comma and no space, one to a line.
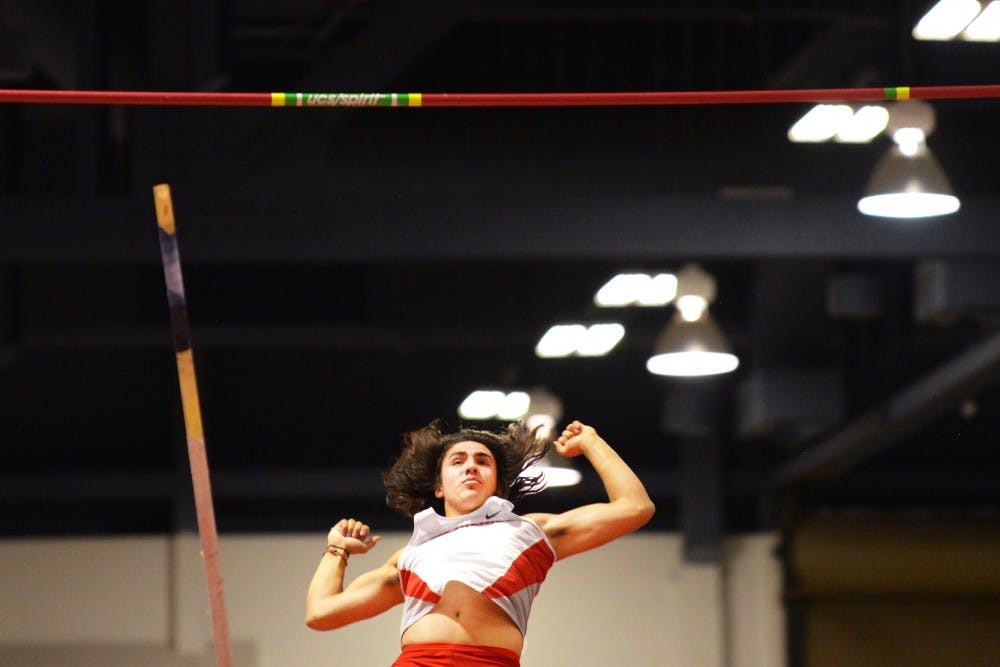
456,655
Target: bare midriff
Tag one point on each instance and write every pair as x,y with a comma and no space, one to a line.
463,616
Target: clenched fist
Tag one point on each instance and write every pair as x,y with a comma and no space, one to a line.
352,535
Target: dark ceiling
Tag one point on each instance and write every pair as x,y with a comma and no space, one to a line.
353,274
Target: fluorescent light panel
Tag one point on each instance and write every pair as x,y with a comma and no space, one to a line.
564,340
864,125
839,122
600,339
946,19
560,340
494,404
637,289
986,26
820,123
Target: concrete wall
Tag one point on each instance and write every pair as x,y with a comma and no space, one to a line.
124,601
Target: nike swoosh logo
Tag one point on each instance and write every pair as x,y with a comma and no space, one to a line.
490,516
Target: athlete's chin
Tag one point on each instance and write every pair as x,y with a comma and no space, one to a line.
472,498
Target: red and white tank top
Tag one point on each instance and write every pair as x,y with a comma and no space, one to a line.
503,556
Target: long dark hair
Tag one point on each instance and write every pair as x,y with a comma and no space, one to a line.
411,481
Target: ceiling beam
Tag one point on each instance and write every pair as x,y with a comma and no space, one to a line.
937,394
435,227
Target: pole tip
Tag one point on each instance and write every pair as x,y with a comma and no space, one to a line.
164,208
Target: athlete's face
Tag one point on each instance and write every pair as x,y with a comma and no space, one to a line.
468,477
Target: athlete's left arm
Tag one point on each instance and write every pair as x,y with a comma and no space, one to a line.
628,507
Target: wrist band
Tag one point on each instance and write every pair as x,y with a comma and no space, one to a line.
338,551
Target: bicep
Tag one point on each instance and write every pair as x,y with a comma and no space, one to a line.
588,527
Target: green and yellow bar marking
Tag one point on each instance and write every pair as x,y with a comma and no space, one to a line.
346,99
898,93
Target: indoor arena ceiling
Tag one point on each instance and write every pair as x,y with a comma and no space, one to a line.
352,274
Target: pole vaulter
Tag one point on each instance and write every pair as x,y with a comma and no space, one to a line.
171,257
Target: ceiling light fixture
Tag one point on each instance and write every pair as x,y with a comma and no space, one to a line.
544,413
908,182
543,417
692,344
555,470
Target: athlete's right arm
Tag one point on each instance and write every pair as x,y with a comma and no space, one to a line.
328,604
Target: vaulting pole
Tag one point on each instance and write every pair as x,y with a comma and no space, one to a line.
499,99
192,421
